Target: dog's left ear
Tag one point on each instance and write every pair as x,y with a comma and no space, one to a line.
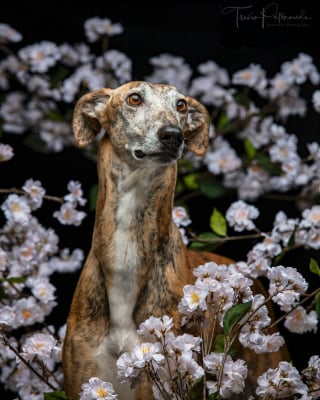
196,130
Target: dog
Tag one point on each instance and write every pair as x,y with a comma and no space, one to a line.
138,263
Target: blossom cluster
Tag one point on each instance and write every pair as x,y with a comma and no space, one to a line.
176,362
29,255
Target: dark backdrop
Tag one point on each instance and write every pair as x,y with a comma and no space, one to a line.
197,31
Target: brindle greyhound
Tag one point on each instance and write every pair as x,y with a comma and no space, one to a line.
138,264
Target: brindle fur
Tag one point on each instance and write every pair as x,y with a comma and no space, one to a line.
138,264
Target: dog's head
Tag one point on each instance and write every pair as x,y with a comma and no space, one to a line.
144,121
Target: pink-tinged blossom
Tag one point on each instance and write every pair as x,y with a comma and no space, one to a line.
269,247
253,76
233,373
253,338
312,216
284,149
97,389
286,286
170,69
9,34
154,327
282,382
42,289
40,57
28,312
40,345
240,214
76,193
17,209
222,158
73,55
253,183
300,69
258,264
68,215
180,216
299,321
95,28
35,192
6,152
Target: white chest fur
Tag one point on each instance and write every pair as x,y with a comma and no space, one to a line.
122,294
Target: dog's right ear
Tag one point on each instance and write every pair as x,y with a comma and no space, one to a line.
88,114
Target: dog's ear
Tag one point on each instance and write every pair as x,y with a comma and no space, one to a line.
87,115
196,131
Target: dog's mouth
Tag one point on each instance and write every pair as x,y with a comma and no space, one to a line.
162,156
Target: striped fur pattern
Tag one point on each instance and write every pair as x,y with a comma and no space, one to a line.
138,264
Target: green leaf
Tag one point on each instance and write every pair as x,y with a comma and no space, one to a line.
213,396
249,148
314,267
191,181
14,279
211,187
317,304
224,124
93,195
218,345
218,223
242,98
201,246
56,395
196,390
234,314
273,168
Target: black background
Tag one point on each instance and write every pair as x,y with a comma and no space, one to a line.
197,31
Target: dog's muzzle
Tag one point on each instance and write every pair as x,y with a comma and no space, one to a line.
171,145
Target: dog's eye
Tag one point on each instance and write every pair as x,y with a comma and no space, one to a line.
182,106
134,99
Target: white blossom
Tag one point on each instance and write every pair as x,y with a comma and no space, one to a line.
240,214
40,57
97,389
96,27
17,209
68,215
6,152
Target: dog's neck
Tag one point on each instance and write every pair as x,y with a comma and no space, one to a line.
139,199
134,234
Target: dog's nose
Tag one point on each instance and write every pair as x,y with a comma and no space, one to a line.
170,135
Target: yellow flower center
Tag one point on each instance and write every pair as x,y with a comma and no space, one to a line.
26,314
102,392
195,297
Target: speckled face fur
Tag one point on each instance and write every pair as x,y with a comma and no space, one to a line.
138,264
151,122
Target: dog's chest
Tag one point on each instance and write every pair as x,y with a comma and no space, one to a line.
122,294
